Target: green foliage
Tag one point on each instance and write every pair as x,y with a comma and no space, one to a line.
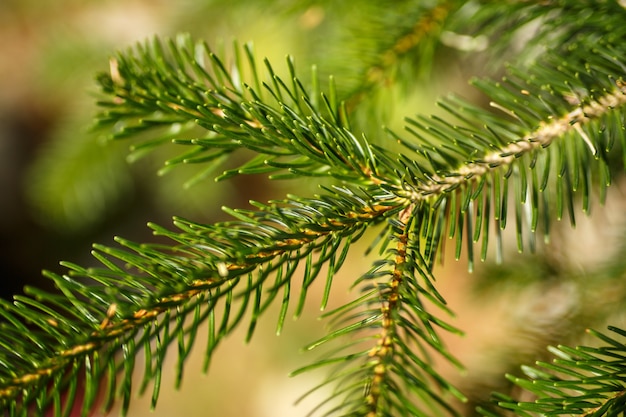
581,381
552,139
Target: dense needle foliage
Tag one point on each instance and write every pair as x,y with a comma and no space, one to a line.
550,143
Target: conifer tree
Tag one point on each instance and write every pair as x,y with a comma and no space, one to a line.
544,141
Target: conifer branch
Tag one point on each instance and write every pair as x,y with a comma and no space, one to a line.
428,24
542,137
394,315
384,349
281,123
585,381
563,114
206,266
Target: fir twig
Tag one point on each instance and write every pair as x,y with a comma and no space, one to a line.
556,121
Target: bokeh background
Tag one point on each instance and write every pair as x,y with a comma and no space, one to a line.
62,188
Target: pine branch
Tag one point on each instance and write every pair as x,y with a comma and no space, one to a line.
414,37
550,138
585,381
282,124
540,138
561,118
395,358
208,266
393,316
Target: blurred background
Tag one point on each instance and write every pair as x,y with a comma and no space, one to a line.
63,188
